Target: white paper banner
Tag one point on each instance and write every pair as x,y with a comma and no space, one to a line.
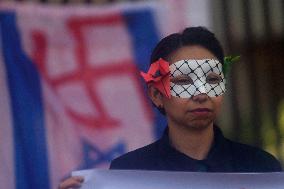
129,179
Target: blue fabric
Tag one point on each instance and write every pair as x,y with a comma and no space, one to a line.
145,36
30,148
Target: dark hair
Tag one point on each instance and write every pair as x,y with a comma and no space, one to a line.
190,36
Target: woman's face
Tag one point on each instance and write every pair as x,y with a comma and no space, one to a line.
198,111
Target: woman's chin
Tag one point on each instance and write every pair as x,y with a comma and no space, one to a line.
200,125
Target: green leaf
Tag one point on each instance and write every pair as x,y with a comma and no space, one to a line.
228,62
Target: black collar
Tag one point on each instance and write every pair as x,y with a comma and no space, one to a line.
218,159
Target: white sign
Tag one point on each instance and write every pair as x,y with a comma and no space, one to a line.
134,179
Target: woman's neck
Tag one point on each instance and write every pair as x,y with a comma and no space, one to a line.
195,143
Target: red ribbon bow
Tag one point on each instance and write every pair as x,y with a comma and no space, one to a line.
159,75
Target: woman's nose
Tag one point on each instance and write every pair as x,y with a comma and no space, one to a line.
200,98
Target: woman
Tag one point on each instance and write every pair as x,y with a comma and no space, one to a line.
186,83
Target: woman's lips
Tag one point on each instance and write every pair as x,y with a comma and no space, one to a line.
201,111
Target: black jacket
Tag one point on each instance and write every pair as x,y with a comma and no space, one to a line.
224,156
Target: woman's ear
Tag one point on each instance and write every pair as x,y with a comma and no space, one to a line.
155,95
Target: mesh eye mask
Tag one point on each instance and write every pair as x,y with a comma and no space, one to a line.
192,77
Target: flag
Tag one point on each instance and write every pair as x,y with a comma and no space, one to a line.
70,93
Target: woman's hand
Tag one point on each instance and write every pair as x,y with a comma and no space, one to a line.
72,182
